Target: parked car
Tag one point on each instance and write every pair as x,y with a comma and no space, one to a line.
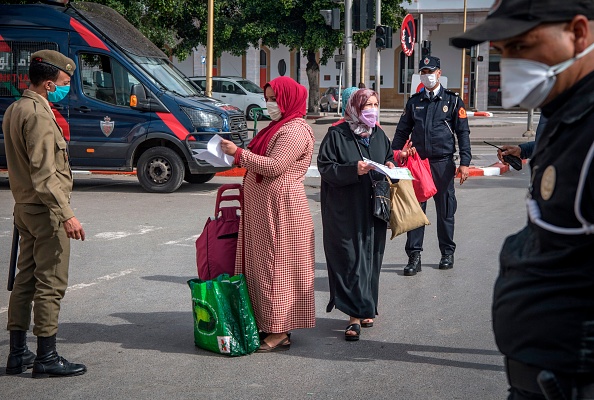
329,100
239,92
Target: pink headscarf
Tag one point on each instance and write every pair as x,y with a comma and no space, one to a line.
353,111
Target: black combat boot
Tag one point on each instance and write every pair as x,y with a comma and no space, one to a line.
49,364
414,264
20,357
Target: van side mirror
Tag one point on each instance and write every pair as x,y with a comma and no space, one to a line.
140,100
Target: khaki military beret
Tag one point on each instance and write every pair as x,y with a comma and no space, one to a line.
55,59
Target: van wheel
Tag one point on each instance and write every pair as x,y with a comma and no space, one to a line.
197,178
252,114
160,170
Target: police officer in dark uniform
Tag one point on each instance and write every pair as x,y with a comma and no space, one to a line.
431,119
41,183
543,303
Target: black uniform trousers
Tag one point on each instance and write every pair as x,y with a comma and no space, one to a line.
443,171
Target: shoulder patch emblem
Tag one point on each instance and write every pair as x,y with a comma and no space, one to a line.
462,113
445,109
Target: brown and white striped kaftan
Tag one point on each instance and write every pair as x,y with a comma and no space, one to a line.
277,230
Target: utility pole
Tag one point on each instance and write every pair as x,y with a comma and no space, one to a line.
209,48
378,21
463,57
348,41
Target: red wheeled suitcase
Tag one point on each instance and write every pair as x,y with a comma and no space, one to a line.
217,244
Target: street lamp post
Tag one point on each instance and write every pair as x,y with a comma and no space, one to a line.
463,56
348,42
209,48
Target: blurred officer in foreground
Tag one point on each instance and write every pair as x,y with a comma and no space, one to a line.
41,183
431,118
543,304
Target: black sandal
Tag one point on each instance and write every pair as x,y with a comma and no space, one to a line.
367,324
354,328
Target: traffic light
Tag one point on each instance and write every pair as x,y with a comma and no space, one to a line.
363,15
383,37
332,17
426,49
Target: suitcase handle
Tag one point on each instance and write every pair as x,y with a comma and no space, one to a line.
221,197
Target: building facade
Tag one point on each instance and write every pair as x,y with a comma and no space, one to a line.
436,21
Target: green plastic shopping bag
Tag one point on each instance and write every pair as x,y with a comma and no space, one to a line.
223,317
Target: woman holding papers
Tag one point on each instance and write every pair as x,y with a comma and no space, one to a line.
276,239
354,240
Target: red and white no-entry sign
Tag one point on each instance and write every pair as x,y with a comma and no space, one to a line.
408,35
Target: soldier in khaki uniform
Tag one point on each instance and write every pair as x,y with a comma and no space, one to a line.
41,183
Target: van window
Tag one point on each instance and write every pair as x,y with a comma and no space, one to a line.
166,76
105,79
14,65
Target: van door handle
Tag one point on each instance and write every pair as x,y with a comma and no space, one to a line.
58,107
83,109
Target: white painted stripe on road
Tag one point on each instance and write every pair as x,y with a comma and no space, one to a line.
122,234
85,285
100,279
491,171
180,242
312,172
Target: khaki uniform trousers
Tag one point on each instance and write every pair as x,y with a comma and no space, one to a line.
43,270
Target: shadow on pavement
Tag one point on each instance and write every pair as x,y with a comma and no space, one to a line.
172,332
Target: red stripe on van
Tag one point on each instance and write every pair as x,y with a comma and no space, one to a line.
172,123
63,124
87,35
3,45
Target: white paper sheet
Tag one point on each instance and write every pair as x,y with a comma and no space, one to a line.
393,173
214,153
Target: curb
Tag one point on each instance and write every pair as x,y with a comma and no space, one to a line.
312,172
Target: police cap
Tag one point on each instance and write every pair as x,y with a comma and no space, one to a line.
509,18
429,62
55,59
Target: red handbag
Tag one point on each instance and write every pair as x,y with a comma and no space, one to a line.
423,183
217,244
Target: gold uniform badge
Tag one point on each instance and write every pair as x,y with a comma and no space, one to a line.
547,183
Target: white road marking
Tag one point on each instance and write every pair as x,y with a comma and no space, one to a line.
180,242
101,279
122,234
85,285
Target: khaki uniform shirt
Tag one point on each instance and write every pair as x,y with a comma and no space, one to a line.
36,154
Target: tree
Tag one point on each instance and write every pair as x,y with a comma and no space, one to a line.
299,25
179,26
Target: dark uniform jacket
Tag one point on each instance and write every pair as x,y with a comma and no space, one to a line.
36,155
543,305
433,125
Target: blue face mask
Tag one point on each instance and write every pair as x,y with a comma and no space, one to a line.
58,94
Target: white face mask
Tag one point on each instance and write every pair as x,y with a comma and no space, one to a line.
429,80
528,83
273,110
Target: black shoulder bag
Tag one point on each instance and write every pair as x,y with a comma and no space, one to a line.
381,193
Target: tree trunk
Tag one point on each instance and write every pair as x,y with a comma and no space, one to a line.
313,77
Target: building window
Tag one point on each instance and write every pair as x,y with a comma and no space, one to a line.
411,69
494,83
